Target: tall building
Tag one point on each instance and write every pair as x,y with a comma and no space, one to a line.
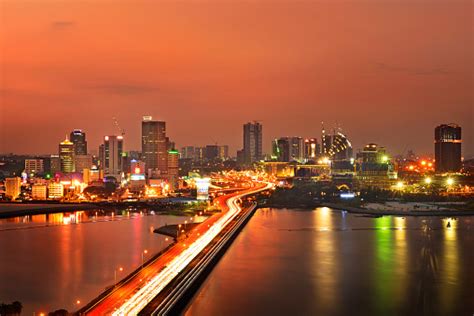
253,142
311,148
211,152
66,156
224,152
13,187
448,148
173,168
288,149
54,164
154,146
187,152
78,138
112,155
34,166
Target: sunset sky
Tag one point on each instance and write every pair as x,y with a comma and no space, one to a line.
385,71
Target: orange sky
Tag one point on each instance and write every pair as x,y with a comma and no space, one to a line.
386,71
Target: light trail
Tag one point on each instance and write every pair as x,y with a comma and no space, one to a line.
149,291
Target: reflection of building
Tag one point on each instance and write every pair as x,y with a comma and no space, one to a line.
34,166
13,187
253,142
448,148
154,146
66,156
78,138
113,148
39,191
55,190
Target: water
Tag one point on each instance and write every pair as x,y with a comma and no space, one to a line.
48,262
324,262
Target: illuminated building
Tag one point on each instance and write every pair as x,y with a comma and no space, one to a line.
311,149
52,164
78,138
39,191
448,148
253,142
288,149
154,146
66,156
173,168
34,166
82,162
374,168
13,187
202,187
92,175
112,155
55,190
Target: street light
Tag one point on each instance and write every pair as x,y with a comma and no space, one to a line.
115,275
144,252
427,180
400,185
450,181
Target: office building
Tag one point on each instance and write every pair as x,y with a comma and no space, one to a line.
448,148
55,190
253,142
173,169
78,138
187,152
287,149
66,156
154,146
112,155
211,152
34,166
13,187
82,162
39,191
224,152
311,149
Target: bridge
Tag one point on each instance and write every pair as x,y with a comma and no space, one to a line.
165,282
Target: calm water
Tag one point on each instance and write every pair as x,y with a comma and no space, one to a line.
324,262
49,262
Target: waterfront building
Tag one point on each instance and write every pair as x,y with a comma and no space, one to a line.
154,146
78,138
253,142
66,156
448,148
374,168
55,190
39,191
13,187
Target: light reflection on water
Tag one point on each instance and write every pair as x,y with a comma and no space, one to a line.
324,262
50,261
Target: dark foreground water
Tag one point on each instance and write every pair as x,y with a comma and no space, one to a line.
324,262
48,262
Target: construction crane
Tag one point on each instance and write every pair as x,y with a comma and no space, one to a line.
116,123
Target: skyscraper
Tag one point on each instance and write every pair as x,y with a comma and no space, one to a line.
289,149
66,156
173,168
154,146
252,142
112,155
78,138
448,148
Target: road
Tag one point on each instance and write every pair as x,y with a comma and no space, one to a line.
132,295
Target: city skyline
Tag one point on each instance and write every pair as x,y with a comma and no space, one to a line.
287,65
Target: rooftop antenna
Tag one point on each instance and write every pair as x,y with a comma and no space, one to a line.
116,123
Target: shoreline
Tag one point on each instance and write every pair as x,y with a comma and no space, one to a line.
358,210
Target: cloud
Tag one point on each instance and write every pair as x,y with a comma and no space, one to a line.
411,70
61,25
122,88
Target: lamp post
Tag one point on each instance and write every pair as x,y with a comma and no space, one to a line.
144,252
115,275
